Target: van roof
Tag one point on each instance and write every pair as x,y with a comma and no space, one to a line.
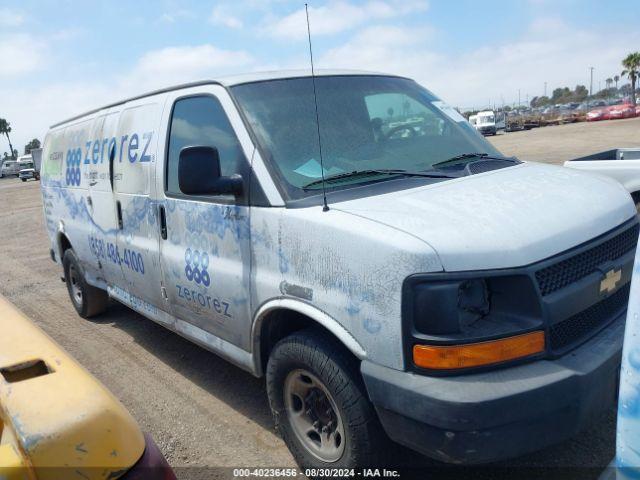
232,80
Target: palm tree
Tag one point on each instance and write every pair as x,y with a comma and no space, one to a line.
631,66
5,128
616,78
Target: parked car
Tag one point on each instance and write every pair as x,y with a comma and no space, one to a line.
569,114
600,113
531,119
625,110
551,116
9,168
409,278
514,122
59,422
582,110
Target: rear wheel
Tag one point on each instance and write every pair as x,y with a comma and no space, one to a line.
320,405
87,299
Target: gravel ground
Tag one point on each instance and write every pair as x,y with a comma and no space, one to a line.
558,144
205,413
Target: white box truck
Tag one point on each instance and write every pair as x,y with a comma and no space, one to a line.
30,165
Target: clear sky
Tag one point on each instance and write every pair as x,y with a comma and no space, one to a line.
59,58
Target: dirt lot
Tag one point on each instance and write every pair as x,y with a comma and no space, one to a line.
560,143
202,411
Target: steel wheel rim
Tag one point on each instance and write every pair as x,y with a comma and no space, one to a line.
74,282
314,416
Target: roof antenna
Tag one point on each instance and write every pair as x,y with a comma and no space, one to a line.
325,207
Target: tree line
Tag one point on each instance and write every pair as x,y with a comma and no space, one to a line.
631,70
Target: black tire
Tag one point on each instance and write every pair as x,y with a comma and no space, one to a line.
316,352
23,179
87,299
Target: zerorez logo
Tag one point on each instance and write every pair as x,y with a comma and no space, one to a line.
196,264
72,174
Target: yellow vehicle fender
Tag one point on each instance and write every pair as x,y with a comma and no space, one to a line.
56,420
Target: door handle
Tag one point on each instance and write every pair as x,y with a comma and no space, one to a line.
119,212
163,221
112,156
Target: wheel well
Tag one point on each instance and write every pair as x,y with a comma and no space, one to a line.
64,244
279,324
636,196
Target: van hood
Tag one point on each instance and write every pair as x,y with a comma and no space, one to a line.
504,218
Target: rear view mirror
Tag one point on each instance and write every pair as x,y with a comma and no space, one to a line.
199,173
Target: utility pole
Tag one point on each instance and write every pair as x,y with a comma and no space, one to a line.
545,89
591,84
519,98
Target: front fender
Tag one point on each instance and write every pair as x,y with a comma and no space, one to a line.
315,314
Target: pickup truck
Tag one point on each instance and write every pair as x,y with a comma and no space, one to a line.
621,164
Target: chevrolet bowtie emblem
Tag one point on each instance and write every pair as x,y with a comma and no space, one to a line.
610,281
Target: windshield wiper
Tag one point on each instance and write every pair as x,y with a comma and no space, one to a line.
372,172
470,155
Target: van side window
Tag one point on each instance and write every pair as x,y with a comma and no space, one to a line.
201,121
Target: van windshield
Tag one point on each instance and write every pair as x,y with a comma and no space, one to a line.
366,123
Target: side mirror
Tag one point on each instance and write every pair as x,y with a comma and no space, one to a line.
199,173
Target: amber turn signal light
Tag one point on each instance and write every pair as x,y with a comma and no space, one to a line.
449,357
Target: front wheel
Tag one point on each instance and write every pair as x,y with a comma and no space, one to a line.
320,405
23,179
87,299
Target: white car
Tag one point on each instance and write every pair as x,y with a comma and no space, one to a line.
621,164
381,264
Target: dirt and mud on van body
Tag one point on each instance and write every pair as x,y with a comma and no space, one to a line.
440,271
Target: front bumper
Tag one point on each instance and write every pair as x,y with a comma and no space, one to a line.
483,417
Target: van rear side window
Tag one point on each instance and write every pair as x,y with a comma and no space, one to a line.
201,121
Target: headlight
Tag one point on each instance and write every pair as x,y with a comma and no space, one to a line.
445,312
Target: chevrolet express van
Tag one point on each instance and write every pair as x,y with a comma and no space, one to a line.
382,265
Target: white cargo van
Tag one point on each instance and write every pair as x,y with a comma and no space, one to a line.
470,305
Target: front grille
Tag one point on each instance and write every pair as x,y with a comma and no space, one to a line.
582,325
565,272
